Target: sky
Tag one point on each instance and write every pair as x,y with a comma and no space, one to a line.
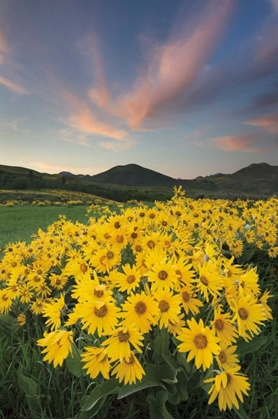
186,88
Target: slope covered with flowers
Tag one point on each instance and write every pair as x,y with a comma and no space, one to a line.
126,277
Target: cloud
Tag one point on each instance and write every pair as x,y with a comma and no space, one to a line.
274,4
116,145
82,119
175,66
8,63
75,169
12,85
242,142
99,93
268,122
85,121
70,136
4,49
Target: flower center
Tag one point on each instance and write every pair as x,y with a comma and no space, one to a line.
163,306
152,215
130,279
119,239
130,361
222,357
162,275
101,312
138,248
140,308
123,337
219,324
98,293
83,268
117,225
243,314
4,298
185,296
151,244
204,280
164,223
229,378
134,235
200,341
110,255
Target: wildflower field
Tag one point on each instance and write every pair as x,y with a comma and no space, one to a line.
163,311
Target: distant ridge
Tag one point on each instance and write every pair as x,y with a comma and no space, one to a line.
257,179
134,175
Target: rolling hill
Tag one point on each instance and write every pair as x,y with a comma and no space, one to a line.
256,179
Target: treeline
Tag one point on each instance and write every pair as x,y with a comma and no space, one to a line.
13,181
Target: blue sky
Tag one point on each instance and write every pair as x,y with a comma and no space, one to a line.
183,87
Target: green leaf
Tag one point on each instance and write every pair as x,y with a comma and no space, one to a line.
245,347
174,398
182,386
246,256
74,364
171,362
8,319
181,359
109,387
168,374
152,378
161,343
28,385
157,405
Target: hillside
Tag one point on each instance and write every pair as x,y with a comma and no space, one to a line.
133,175
125,182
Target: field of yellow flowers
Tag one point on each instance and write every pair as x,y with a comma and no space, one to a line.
154,304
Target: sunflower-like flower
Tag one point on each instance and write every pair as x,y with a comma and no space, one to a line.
96,361
140,309
248,314
120,341
169,308
200,342
53,311
98,316
58,346
223,327
227,358
190,303
129,370
228,386
21,319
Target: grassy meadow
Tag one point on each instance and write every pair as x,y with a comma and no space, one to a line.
207,269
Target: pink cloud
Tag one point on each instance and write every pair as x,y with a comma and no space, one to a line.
99,93
84,120
3,46
15,87
241,142
269,122
55,168
176,65
117,145
274,4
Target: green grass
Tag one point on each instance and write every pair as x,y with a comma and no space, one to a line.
20,222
